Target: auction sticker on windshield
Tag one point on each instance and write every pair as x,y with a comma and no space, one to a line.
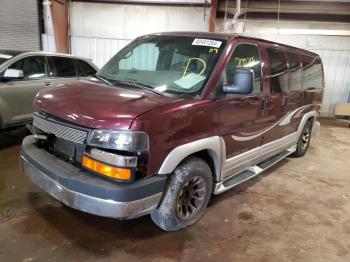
207,42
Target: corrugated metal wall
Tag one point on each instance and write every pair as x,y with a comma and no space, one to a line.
98,31
19,25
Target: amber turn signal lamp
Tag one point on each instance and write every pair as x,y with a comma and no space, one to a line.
107,170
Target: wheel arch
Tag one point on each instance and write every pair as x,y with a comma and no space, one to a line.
209,149
309,116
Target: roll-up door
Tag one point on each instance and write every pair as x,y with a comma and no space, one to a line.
19,25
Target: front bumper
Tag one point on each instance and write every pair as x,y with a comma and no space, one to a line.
86,192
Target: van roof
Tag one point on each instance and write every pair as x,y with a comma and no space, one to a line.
227,36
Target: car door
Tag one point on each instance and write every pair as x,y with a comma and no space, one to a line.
242,116
19,94
277,100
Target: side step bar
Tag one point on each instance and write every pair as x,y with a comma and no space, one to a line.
251,172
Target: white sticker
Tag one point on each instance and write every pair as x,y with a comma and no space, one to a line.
207,42
5,56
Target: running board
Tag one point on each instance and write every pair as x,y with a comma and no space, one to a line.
251,172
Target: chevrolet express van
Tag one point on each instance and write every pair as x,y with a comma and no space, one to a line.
173,119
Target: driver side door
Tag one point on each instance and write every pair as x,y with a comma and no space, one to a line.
242,118
18,94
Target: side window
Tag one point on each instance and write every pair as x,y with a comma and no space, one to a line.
278,70
295,71
64,66
33,67
312,72
84,69
245,56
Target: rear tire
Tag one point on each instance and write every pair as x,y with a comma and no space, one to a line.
187,195
304,140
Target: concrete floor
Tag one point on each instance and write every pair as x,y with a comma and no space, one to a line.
299,210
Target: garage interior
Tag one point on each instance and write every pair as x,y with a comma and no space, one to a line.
298,210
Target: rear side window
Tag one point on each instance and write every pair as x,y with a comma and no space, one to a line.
33,67
64,67
84,69
312,72
278,70
245,56
295,71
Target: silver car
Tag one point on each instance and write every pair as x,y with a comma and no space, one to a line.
23,74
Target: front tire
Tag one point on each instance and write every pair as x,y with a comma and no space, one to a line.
187,195
304,140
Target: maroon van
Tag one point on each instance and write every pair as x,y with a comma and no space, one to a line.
170,120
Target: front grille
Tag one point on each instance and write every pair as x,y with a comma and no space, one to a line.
61,131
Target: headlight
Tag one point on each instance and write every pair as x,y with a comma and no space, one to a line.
120,140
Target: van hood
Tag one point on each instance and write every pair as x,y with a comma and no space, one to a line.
94,105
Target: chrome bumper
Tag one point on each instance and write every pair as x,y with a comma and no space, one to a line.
86,202
315,128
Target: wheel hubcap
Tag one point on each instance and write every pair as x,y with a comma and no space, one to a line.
191,198
305,138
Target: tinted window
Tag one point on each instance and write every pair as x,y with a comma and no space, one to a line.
64,66
84,69
295,71
278,70
247,57
33,67
312,69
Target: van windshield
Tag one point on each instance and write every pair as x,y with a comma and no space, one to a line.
168,64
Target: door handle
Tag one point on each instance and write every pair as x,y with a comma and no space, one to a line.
47,83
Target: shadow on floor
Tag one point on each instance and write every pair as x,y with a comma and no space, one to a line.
13,137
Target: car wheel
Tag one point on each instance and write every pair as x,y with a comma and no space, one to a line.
304,140
187,195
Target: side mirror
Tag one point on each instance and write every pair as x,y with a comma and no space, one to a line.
242,82
13,74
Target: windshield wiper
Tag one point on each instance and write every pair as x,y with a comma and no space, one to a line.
138,85
102,79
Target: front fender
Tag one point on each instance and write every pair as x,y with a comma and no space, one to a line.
215,146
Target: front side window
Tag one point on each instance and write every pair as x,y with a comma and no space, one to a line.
64,66
176,65
244,56
278,70
33,67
